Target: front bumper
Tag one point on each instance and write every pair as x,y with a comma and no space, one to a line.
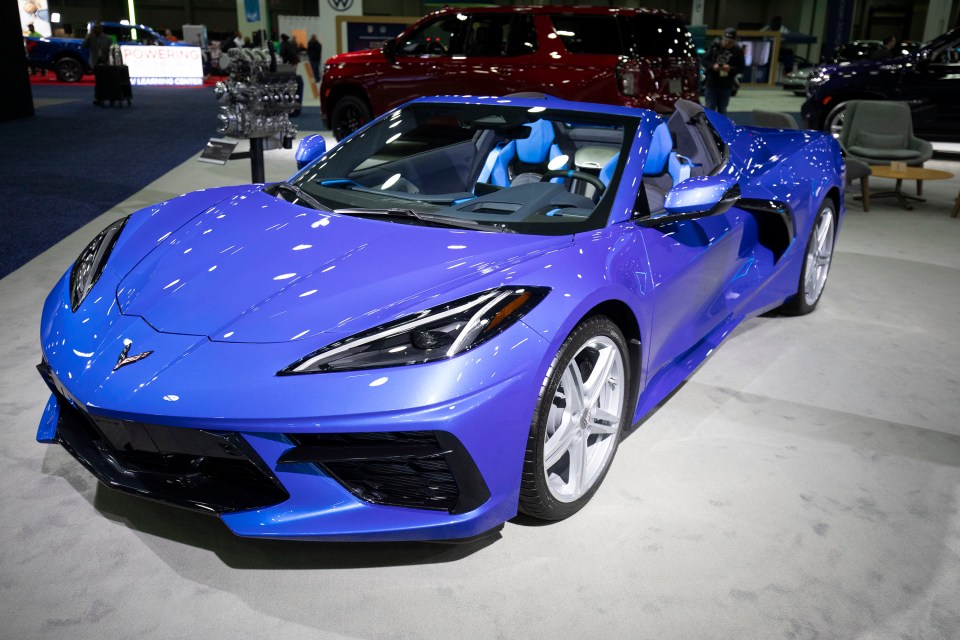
387,485
424,452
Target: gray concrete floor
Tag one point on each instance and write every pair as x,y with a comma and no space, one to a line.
804,483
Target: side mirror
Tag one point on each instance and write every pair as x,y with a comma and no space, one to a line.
390,50
697,197
309,149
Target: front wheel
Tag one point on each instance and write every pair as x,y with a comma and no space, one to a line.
816,263
580,415
349,114
834,122
68,70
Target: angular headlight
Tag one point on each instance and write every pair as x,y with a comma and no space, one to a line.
88,267
433,334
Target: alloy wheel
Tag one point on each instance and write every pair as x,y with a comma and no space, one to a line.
584,419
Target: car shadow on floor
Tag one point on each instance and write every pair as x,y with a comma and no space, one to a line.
208,532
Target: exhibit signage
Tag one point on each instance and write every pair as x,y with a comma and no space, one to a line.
163,65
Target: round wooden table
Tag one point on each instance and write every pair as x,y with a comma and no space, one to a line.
909,173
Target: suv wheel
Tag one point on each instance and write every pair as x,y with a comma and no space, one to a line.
349,114
68,70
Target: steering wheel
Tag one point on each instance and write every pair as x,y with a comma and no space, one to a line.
577,175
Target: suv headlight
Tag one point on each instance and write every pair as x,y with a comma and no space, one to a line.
88,267
436,333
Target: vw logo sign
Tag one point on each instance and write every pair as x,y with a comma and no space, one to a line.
340,5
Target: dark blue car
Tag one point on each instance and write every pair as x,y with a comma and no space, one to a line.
928,79
454,314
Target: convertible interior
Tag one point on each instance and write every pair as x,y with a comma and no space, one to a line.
508,167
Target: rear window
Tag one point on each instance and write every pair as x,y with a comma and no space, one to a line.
589,34
659,36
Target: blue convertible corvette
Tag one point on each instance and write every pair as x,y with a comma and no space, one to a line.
454,314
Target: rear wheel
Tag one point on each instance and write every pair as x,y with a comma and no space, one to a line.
816,263
580,415
349,114
68,70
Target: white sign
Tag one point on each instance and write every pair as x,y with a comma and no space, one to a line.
163,65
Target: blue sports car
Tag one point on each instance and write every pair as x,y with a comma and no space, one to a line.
454,314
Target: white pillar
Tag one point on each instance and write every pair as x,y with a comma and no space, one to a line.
938,13
329,10
696,12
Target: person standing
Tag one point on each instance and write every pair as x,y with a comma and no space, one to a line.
314,53
33,33
885,52
722,63
289,51
98,45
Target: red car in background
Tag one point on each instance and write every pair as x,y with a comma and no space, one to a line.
633,57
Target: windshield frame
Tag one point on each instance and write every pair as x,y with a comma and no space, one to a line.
333,178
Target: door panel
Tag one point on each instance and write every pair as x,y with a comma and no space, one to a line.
417,58
694,264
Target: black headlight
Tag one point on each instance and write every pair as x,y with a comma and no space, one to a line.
433,334
88,267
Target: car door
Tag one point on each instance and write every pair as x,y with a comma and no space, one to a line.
416,58
937,80
700,267
496,58
693,265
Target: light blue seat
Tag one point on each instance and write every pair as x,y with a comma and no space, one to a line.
607,172
529,155
664,167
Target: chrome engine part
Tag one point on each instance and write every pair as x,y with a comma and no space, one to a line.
255,102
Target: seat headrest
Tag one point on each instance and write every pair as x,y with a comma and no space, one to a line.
659,151
533,150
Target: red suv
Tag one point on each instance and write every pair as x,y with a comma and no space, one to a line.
634,57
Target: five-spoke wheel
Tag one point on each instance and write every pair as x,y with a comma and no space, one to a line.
816,263
580,414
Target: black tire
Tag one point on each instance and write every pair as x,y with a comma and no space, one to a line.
593,437
833,123
68,70
349,114
817,256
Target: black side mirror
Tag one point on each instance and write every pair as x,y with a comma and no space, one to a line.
390,50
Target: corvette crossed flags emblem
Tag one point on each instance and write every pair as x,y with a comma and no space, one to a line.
124,360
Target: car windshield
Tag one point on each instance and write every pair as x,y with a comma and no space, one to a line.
488,167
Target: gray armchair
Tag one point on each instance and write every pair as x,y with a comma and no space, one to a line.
880,132
774,120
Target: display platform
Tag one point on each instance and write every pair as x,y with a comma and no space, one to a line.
805,482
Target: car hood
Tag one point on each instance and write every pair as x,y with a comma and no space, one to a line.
259,269
863,72
364,55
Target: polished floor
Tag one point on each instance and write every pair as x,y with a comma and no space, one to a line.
804,483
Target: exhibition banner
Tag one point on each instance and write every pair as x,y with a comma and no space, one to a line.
251,9
163,65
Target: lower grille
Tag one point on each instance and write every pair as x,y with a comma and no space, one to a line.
416,469
203,470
